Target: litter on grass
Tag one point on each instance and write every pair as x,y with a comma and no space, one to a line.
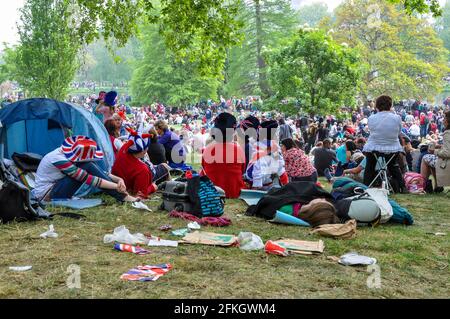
293,246
20,268
146,273
180,232
158,242
194,226
131,249
206,238
50,233
122,235
141,205
165,227
354,259
250,241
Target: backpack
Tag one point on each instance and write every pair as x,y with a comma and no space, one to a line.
205,198
345,187
15,200
414,182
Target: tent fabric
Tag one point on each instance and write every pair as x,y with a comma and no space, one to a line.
40,125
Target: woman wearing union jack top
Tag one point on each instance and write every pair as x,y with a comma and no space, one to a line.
70,170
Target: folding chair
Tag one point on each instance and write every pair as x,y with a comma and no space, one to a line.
383,172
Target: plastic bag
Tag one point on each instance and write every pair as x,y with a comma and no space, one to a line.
381,197
122,235
50,233
354,259
250,241
141,205
194,226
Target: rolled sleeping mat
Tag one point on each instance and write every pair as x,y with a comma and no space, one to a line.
283,218
364,210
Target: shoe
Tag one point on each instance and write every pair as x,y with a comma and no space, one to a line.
439,189
429,187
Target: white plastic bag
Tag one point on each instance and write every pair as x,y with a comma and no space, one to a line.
381,197
194,226
122,235
250,241
20,268
141,205
354,259
50,233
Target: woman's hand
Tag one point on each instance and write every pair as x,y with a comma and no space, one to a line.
121,187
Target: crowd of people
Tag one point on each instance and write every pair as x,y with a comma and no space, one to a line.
239,147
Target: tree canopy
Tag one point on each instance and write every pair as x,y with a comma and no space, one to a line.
159,76
45,61
405,58
314,73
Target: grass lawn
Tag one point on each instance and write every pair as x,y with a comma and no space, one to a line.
413,264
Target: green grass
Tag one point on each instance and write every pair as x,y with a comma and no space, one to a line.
413,263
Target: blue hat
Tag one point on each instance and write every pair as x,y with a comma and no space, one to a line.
110,98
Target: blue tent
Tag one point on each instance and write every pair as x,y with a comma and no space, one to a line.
40,126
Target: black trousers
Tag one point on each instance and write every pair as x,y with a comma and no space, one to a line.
396,180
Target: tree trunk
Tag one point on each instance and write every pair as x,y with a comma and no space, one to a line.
262,78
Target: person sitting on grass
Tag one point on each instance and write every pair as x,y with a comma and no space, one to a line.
223,161
437,162
141,178
175,152
324,158
70,170
267,163
156,151
113,132
298,165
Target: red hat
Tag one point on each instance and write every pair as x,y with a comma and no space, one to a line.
81,149
122,115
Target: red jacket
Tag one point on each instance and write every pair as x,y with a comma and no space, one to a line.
136,175
225,174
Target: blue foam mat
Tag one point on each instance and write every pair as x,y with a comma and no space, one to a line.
283,218
76,203
251,197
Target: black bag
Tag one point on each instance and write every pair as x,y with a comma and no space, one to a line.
28,162
15,200
177,196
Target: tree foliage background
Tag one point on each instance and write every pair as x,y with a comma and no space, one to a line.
213,47
45,61
314,74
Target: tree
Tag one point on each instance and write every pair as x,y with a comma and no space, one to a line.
405,58
46,57
159,76
315,73
313,13
200,31
419,6
443,25
266,24
7,68
113,64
